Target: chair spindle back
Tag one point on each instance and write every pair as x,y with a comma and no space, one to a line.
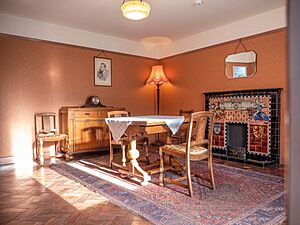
45,123
200,129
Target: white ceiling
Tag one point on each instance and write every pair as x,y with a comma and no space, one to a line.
173,19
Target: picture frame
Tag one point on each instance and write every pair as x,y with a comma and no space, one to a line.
102,71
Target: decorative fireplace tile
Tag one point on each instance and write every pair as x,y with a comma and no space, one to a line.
259,139
259,110
218,137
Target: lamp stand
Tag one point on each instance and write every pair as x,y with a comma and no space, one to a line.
157,141
157,98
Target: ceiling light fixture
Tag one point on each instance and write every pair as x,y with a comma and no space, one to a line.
198,2
135,9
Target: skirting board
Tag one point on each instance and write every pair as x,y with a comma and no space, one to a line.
6,160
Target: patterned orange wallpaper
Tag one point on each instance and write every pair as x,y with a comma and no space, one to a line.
191,74
40,77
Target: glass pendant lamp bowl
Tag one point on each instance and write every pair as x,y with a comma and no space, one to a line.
135,9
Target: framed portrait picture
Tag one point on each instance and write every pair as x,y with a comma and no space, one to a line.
102,71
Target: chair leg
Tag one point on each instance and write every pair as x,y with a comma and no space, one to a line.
67,146
161,167
61,146
147,152
211,173
111,155
41,152
55,147
170,160
179,139
189,178
36,156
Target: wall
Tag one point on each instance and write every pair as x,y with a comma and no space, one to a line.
40,76
294,95
193,73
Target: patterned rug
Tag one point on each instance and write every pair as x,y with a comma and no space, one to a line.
241,197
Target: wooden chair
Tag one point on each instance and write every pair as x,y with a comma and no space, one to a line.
45,131
197,147
185,113
180,136
124,141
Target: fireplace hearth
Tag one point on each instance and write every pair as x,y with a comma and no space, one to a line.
236,152
246,125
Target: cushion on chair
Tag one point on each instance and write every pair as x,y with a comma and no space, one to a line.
194,150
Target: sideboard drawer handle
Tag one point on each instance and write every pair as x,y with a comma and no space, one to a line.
87,114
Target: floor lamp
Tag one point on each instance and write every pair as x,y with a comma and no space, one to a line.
158,78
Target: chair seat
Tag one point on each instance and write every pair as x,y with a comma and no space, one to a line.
53,137
181,148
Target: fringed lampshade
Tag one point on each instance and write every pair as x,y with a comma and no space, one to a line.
157,76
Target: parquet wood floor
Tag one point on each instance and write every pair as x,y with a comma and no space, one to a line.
42,196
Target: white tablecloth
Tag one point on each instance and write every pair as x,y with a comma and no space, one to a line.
118,125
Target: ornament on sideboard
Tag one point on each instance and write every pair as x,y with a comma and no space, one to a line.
93,101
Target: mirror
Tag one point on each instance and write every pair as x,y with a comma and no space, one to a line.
242,64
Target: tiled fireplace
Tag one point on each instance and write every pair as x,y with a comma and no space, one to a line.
247,125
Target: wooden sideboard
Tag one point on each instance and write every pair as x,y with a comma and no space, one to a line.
85,127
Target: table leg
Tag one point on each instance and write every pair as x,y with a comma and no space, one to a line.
123,155
133,154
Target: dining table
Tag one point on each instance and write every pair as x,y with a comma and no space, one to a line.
131,126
